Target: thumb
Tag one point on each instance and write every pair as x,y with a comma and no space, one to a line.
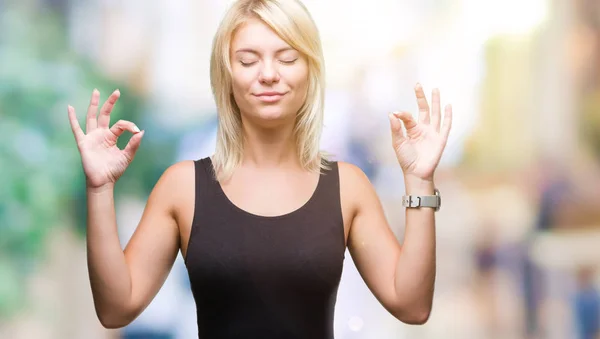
407,119
396,126
133,145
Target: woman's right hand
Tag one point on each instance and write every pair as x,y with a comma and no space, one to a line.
103,162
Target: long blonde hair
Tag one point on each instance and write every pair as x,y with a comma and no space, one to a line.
293,23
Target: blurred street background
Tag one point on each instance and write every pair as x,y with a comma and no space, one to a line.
519,230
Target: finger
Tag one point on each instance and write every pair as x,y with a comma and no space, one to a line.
436,114
396,126
447,122
107,107
91,122
123,125
77,132
133,145
407,119
423,105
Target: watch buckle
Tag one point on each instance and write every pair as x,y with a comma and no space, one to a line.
413,201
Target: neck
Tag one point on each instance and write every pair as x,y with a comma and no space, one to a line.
269,147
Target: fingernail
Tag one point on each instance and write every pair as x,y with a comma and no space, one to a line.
95,91
117,91
69,107
136,129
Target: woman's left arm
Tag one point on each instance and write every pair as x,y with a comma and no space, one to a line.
400,276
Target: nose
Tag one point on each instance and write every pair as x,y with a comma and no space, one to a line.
268,73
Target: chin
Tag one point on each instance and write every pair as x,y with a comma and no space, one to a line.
273,115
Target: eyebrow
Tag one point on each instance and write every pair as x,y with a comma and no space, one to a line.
253,51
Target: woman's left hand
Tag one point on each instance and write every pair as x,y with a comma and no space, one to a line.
420,147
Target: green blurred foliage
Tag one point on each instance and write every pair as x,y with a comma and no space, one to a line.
41,179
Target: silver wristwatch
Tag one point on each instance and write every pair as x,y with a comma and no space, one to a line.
414,201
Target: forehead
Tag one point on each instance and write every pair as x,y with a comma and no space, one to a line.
256,35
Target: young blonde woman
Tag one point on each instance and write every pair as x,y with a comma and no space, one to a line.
263,224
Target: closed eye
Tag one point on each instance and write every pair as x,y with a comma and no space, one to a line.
288,62
247,64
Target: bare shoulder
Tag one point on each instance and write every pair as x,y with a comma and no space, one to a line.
354,186
175,184
352,178
179,172
177,175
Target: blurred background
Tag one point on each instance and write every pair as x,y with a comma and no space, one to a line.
519,230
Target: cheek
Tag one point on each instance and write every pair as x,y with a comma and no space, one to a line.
298,79
241,83
300,94
302,87
237,87
242,77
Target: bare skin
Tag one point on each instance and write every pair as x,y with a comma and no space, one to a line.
124,282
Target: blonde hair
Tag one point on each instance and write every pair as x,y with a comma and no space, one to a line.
293,23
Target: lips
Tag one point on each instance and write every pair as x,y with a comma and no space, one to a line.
270,96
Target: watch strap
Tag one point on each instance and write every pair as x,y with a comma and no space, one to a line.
413,201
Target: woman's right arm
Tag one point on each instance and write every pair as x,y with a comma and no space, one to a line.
124,282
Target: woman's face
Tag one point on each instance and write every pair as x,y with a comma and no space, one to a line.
270,78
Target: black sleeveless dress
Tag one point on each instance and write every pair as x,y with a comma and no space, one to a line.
265,277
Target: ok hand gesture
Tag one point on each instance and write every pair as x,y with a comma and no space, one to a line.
103,162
